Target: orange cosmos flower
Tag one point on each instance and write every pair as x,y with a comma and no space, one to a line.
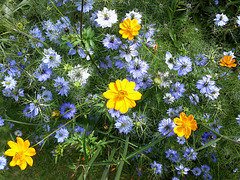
129,28
155,47
21,153
228,62
122,95
185,125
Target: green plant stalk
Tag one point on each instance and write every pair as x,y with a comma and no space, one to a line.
65,123
148,49
65,19
84,144
135,153
117,177
94,157
105,172
56,130
80,37
37,48
224,137
23,33
81,19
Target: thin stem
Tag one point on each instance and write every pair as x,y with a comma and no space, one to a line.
148,49
56,130
80,37
81,19
215,132
65,123
65,18
23,33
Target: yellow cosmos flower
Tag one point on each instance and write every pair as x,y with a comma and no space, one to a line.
185,125
129,28
21,153
228,62
122,95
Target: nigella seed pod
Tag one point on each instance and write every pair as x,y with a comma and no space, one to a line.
66,29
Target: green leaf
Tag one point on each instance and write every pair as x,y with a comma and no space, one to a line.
119,171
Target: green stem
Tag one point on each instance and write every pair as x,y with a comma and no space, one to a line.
148,49
65,19
65,123
215,132
81,19
56,130
14,28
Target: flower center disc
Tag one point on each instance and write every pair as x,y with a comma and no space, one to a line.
18,155
122,93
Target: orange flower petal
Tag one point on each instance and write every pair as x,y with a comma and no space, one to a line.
187,132
130,36
126,34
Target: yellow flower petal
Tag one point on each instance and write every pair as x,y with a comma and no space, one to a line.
29,160
13,145
179,131
130,87
26,145
23,165
130,102
130,36
134,95
111,103
30,152
20,143
123,26
122,31
124,108
119,85
187,132
10,152
13,162
134,33
178,121
125,34
124,84
112,86
109,94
